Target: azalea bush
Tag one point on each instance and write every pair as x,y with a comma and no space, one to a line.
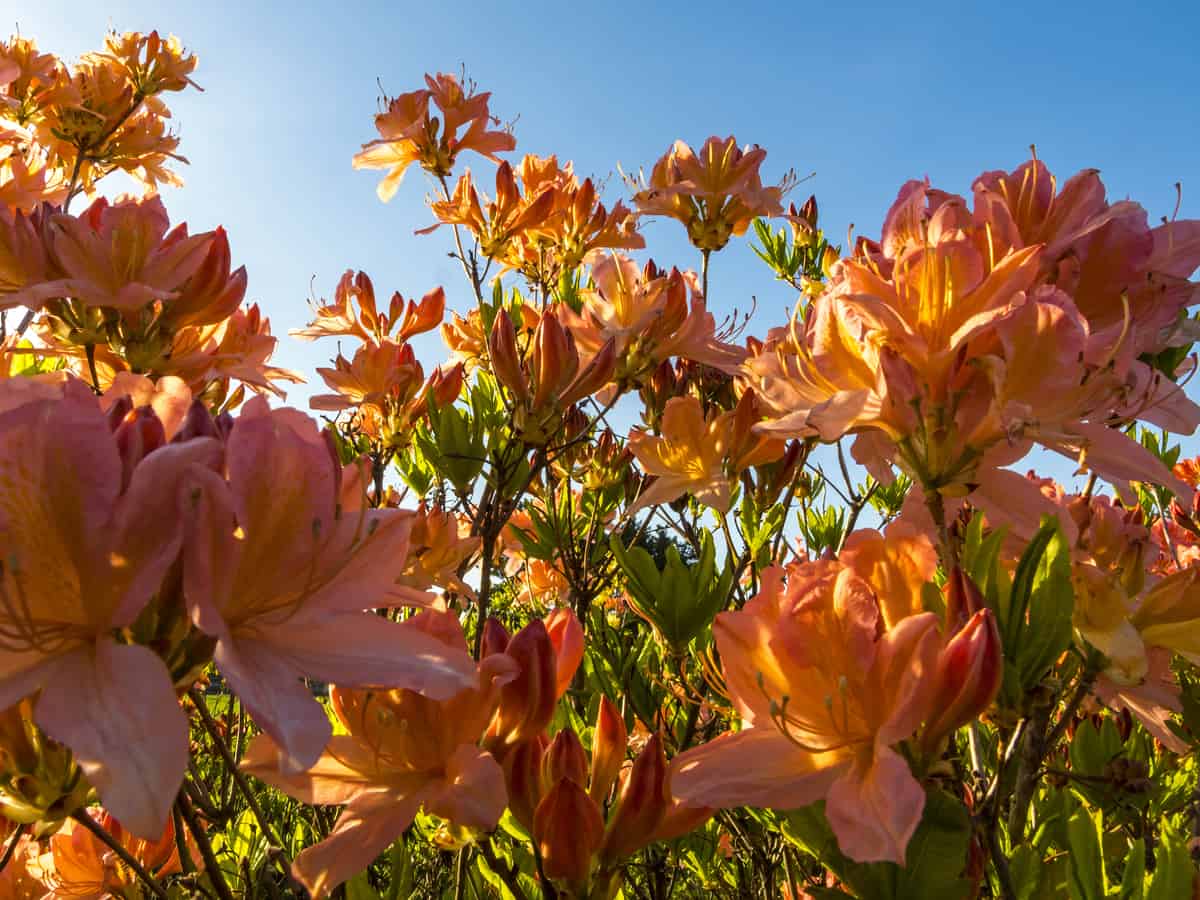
615,599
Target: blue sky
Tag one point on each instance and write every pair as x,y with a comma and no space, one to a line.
865,96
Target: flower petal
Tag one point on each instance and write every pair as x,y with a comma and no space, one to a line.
366,827
755,767
874,809
115,707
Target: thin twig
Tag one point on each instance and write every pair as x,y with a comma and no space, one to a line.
124,855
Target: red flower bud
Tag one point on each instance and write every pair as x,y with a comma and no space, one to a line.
969,672
495,638
568,828
608,749
526,702
139,434
565,758
523,778
506,362
641,805
963,599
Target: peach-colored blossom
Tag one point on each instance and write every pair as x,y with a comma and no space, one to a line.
280,573
824,696
400,752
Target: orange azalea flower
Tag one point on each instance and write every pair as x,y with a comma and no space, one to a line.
500,221
947,352
401,751
84,867
23,258
578,223
26,180
84,555
646,314
716,194
824,694
279,569
151,63
1128,280
440,544
30,79
409,134
700,455
119,256
28,874
355,289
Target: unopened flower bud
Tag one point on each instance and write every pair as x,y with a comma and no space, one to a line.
526,702
523,778
139,434
506,362
495,638
565,758
608,749
967,678
641,805
569,829
963,599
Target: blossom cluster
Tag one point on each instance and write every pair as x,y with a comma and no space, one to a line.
471,609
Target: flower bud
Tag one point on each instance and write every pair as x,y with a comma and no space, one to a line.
608,749
197,422
495,638
963,599
967,677
566,636
564,758
139,434
527,702
641,805
554,360
40,783
568,828
523,778
506,361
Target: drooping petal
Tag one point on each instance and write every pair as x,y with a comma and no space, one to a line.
755,767
472,794
114,705
874,809
366,827
340,775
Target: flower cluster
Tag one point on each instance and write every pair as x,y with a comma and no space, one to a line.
475,613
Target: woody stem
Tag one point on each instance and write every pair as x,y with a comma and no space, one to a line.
264,823
211,867
124,855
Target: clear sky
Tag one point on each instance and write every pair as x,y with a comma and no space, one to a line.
866,96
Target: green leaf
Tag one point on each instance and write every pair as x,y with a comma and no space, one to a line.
1133,880
934,862
1174,872
1085,859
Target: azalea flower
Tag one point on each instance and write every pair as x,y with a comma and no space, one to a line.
646,314
151,63
85,552
700,455
85,868
439,545
355,313
280,569
400,751
716,194
939,351
824,695
410,134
